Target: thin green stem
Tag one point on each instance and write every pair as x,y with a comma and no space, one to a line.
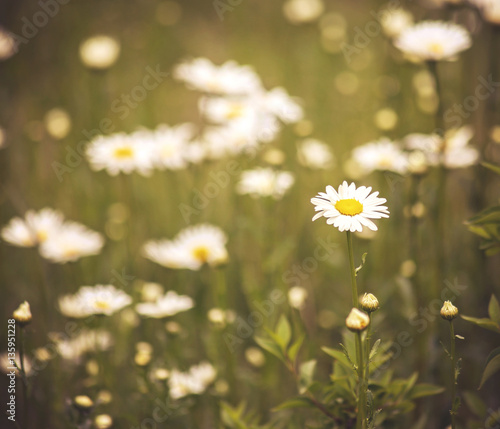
453,412
354,286
23,376
361,420
367,351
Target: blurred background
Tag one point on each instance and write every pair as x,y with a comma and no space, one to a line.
53,101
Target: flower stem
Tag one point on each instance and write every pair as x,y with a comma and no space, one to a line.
367,351
361,420
23,376
453,412
354,286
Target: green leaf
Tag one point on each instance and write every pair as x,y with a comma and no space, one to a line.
492,366
493,251
306,373
483,323
283,332
411,382
363,260
474,403
338,355
294,403
494,309
492,167
479,230
294,349
425,389
490,215
374,350
271,347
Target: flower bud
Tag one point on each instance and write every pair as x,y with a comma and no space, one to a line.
357,320
23,314
449,311
83,402
103,421
142,359
369,303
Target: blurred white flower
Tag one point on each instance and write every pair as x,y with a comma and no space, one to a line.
381,155
303,11
121,153
99,52
229,78
394,21
454,151
90,300
433,40
86,341
150,292
166,305
286,108
457,151
195,381
8,46
349,209
18,233
35,228
191,248
297,296
490,10
71,242
265,182
313,153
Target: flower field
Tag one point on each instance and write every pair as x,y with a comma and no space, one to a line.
250,214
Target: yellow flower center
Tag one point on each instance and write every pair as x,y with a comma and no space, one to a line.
41,236
235,111
349,207
101,305
436,48
201,253
123,152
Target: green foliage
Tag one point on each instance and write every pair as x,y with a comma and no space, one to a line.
493,324
486,224
239,417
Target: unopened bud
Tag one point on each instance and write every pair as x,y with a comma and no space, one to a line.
449,311
369,303
83,402
357,320
22,314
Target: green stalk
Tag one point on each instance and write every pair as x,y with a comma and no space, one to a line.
453,412
23,376
361,419
354,286
367,351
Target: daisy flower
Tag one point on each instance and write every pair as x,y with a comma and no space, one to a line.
315,154
71,242
279,103
166,305
86,341
191,248
194,381
229,78
349,209
121,153
94,300
35,228
433,40
265,182
382,155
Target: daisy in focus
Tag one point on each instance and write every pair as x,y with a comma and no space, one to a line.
265,182
121,153
94,300
165,306
192,248
349,209
433,40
